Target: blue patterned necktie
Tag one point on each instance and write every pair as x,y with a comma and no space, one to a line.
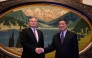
62,37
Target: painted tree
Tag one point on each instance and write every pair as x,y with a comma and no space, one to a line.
18,44
11,40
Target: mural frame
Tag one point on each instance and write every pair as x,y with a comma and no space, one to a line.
6,6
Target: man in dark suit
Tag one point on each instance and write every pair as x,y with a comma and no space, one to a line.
65,43
31,40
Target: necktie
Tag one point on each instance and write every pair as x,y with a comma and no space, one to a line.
34,30
62,37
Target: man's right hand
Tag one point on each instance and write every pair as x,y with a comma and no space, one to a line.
39,50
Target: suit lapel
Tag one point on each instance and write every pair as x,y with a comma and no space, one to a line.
65,39
32,35
66,36
59,40
38,35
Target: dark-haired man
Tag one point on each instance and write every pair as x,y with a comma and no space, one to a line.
65,43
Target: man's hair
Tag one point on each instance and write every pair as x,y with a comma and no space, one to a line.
62,20
31,18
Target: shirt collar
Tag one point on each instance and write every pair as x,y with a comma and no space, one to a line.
64,32
32,28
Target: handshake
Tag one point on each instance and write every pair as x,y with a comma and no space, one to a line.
39,50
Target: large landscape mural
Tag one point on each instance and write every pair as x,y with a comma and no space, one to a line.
13,21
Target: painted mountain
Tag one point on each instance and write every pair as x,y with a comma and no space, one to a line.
14,18
18,18
69,17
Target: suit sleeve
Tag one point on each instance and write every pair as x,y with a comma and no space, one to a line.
50,48
24,43
75,46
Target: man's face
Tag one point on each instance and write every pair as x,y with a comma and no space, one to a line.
33,22
62,25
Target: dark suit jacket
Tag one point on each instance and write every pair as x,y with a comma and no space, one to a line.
67,49
29,43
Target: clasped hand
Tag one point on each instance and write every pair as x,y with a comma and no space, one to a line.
39,50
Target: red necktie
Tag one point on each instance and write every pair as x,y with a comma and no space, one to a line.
34,32
62,37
